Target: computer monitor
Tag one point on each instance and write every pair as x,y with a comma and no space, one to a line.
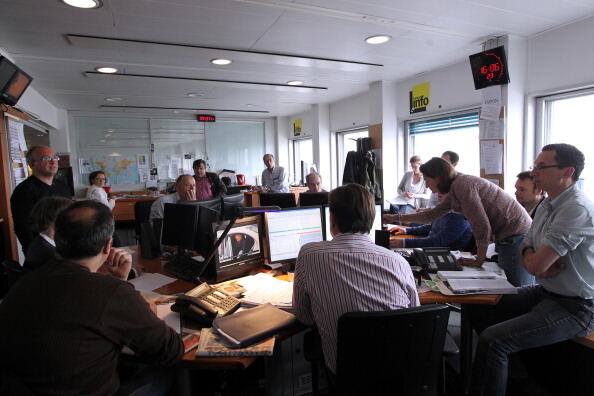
377,222
230,202
204,236
290,229
212,204
240,253
282,200
180,222
313,199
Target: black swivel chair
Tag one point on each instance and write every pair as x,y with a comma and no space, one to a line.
393,352
282,200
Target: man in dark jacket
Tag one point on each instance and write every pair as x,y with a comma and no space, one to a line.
44,164
63,325
208,184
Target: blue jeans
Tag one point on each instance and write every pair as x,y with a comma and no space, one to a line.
529,319
509,251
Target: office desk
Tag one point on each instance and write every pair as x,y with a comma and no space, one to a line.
252,198
124,207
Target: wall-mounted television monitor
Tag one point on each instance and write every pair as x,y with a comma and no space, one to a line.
13,82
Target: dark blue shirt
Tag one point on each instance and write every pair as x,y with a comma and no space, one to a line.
451,230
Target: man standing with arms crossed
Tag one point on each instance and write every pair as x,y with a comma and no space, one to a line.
558,251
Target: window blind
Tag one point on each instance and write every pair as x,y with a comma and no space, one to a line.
444,123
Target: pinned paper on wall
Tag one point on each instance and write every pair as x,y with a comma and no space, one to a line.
491,103
492,157
492,129
84,165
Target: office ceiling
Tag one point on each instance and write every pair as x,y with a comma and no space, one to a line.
320,42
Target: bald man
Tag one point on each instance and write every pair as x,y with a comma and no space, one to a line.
185,191
44,165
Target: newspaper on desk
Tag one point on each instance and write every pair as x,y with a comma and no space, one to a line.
262,288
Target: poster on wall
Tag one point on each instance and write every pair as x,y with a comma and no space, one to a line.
297,127
419,97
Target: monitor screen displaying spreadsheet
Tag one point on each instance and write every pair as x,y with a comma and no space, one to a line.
290,229
377,222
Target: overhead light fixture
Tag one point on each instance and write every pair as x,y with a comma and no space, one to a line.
106,69
83,3
194,94
107,135
294,82
175,111
378,39
221,61
250,105
113,99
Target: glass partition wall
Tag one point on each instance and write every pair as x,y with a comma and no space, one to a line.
140,152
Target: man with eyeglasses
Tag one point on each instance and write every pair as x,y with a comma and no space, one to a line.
557,250
44,165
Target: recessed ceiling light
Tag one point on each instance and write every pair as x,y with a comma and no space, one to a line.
106,69
379,39
221,61
250,105
294,82
194,94
83,3
175,111
113,99
107,135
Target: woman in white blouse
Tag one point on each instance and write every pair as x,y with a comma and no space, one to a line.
96,192
412,190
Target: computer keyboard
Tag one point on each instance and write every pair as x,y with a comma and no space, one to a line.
183,267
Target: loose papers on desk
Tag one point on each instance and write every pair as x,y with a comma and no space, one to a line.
213,344
148,282
262,289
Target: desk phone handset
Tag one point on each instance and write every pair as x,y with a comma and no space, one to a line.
435,259
204,303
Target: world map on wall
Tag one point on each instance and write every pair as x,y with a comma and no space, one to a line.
119,170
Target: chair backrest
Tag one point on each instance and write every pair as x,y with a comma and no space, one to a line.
282,200
232,190
142,213
392,352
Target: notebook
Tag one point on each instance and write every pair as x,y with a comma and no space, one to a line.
249,326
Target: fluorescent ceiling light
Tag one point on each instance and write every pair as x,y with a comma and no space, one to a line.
250,105
221,61
379,39
294,82
194,94
83,3
113,99
106,69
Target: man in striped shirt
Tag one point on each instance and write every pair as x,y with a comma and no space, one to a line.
349,273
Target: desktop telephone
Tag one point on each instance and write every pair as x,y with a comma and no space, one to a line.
435,259
204,303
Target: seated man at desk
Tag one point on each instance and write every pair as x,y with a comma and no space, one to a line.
451,230
558,251
208,184
350,273
314,182
185,190
274,178
63,326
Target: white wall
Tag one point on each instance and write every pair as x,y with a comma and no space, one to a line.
561,59
349,113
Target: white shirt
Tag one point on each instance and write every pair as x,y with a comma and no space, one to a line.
98,194
419,191
275,180
158,207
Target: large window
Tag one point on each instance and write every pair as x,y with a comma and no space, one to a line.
345,142
302,151
457,132
568,118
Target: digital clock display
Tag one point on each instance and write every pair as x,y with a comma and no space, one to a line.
206,117
489,68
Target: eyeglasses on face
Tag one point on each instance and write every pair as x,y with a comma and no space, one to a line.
48,158
537,168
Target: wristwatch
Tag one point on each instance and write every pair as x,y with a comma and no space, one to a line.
526,248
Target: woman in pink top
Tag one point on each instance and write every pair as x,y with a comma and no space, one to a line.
493,214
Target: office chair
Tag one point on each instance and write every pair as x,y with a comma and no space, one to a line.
282,200
229,203
391,352
313,199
